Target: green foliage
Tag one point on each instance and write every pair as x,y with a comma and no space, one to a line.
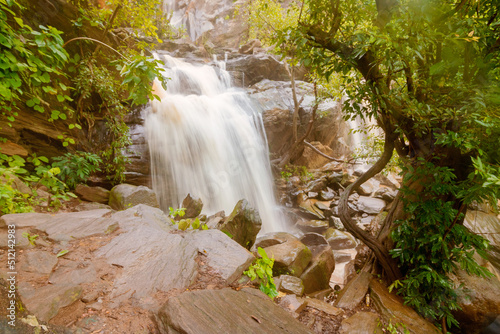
77,167
36,71
432,242
180,212
300,171
31,63
263,269
31,237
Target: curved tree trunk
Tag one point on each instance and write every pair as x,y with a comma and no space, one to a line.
379,250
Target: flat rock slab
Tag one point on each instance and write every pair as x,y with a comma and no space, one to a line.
392,309
39,262
321,306
354,291
46,301
361,323
247,311
74,224
224,255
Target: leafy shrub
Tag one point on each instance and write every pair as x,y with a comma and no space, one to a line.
263,268
77,167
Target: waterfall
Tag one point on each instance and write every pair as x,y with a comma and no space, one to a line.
207,138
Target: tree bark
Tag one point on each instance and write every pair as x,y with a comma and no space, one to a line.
379,250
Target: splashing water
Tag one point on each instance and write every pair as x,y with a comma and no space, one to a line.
207,139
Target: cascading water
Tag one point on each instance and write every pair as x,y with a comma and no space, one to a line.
207,139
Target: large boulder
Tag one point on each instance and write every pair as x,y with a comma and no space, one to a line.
340,240
258,67
246,311
290,257
93,194
317,275
370,205
243,224
192,205
479,302
124,196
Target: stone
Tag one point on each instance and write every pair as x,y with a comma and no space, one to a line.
246,311
340,240
124,196
370,205
224,255
317,275
312,240
215,221
312,194
387,194
292,304
74,272
290,258
367,188
92,194
10,148
479,301
322,205
75,225
193,206
316,226
391,308
322,306
327,195
257,67
45,302
316,185
311,159
336,223
354,292
151,259
249,48
361,323
273,238
292,284
87,206
321,294
39,262
307,206
243,224
21,242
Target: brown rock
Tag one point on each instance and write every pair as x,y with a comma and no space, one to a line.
317,275
290,258
243,224
193,206
247,311
354,292
361,323
92,194
391,308
10,148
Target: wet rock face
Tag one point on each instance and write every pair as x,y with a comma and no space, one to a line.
243,224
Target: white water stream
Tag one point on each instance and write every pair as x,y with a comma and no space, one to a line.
207,139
